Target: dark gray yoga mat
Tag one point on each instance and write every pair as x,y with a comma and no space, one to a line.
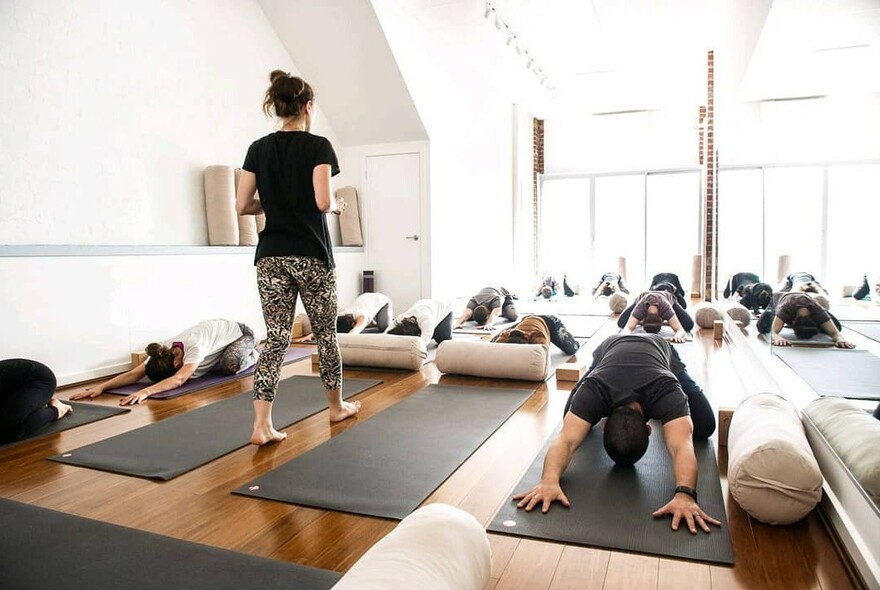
820,340
835,372
867,329
208,379
583,326
169,448
82,414
389,464
47,550
611,506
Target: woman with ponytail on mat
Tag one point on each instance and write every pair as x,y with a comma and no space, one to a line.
291,170
222,346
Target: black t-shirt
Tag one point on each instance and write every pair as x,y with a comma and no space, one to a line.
284,162
632,367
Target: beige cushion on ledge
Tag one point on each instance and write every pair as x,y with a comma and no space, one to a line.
854,435
220,206
771,470
530,362
617,302
437,547
383,350
738,312
705,315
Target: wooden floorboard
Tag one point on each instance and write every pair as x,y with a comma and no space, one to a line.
198,505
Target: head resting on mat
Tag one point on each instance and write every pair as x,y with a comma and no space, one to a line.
288,96
480,314
803,325
546,291
652,322
408,326
344,323
626,434
607,290
762,294
163,361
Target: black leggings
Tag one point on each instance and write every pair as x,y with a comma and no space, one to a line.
684,318
26,387
443,331
765,322
669,281
559,335
738,280
702,414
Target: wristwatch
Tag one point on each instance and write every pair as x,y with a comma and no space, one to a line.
687,490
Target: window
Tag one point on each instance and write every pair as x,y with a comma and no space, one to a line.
620,223
852,238
564,231
793,220
674,224
740,224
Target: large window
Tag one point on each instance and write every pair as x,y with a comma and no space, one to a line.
564,234
740,223
674,224
620,225
793,219
852,228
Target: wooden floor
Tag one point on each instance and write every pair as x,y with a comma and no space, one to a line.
198,506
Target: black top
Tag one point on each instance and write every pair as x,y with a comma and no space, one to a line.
632,367
284,162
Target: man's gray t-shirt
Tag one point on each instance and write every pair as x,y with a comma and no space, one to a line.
491,297
632,367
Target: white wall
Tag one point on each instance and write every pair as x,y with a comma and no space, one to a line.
110,113
111,110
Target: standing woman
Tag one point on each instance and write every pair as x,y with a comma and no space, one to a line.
291,169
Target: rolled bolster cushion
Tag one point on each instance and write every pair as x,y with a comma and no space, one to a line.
705,314
383,350
738,312
530,362
771,471
437,547
854,435
220,206
306,323
617,302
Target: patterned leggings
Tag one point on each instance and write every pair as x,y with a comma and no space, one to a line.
237,355
280,280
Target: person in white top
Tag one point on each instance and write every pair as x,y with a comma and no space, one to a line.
223,346
428,318
367,308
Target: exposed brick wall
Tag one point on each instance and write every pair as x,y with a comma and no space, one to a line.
702,117
537,168
710,254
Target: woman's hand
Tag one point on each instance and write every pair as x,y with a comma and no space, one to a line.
341,204
134,398
90,392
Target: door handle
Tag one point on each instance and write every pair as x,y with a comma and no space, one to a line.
414,237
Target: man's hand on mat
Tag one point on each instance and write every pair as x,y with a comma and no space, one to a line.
679,337
780,341
90,393
844,344
134,398
683,506
544,494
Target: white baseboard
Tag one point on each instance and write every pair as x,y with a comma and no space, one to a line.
72,378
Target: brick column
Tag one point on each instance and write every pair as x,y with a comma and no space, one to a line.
710,254
537,168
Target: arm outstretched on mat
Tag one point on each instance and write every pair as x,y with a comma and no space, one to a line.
679,442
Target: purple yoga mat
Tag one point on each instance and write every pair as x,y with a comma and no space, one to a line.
209,379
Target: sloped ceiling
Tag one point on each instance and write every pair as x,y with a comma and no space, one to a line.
341,50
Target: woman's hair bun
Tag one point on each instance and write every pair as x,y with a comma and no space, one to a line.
277,75
154,349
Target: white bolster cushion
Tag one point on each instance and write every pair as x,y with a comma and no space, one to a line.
220,206
437,547
705,314
529,362
738,312
383,350
854,435
617,302
771,470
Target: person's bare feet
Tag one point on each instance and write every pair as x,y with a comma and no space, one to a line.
263,435
347,410
62,408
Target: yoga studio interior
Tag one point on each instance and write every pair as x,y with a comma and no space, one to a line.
359,294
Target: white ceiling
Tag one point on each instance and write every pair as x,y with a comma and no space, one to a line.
613,55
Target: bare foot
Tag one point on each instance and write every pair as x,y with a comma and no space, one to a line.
63,409
347,410
263,435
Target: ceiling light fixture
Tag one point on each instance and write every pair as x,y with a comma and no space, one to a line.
513,40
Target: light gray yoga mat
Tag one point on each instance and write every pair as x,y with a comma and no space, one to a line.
583,326
389,464
835,372
47,550
83,413
820,340
867,329
474,328
169,448
611,506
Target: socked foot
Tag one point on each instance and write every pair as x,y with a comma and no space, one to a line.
266,434
347,410
62,408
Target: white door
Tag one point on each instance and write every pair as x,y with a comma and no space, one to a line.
394,240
